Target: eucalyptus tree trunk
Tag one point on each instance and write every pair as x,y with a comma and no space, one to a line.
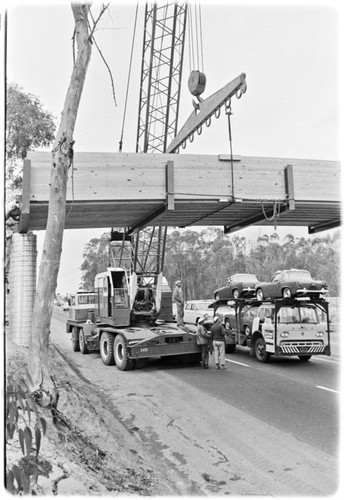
38,357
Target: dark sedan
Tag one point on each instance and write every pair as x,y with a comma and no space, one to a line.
246,317
290,283
238,285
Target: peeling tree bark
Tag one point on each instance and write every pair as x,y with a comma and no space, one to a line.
38,356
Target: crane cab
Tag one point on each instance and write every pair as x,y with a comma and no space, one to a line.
112,297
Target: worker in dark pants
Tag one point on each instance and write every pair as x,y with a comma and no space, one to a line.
203,340
178,298
218,334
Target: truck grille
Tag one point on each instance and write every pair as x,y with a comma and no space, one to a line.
302,347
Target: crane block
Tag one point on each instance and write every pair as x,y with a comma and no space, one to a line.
205,109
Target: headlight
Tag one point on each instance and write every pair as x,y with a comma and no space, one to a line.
284,334
319,334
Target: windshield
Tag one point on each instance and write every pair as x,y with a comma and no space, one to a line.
86,299
296,314
297,276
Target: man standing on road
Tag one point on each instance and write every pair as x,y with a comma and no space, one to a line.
218,334
179,300
203,340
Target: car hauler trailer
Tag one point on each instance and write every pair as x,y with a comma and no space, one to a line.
280,327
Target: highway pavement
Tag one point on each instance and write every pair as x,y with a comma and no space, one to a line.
299,401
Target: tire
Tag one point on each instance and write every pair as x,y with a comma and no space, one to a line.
227,324
82,343
230,348
286,294
75,339
260,350
236,294
190,359
260,294
217,296
305,358
247,330
107,349
122,361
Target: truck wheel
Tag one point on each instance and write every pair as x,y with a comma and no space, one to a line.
260,350
188,359
75,339
107,348
230,348
305,358
247,331
121,354
260,294
82,342
227,324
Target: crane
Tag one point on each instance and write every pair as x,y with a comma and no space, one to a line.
160,87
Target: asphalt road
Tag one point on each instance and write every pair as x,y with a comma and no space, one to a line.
300,400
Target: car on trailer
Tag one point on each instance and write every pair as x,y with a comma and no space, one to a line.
290,283
238,285
227,312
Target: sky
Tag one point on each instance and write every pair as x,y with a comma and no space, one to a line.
290,54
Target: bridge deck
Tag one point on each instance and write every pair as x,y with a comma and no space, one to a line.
133,190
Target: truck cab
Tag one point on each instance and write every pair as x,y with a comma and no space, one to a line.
290,327
280,327
82,306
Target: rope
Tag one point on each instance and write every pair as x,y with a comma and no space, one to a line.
128,81
71,157
275,214
229,112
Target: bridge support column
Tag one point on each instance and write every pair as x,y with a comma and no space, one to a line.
22,287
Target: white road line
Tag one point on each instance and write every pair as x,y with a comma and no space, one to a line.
326,360
237,362
326,389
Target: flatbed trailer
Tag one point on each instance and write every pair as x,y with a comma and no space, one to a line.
124,346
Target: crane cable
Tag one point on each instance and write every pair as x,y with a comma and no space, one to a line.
195,36
201,38
128,81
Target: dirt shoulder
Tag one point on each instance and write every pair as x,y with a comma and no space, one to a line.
89,450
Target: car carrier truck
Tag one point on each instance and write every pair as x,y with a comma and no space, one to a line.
280,327
129,317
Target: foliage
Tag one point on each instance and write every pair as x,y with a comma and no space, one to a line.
23,422
28,126
203,260
95,260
